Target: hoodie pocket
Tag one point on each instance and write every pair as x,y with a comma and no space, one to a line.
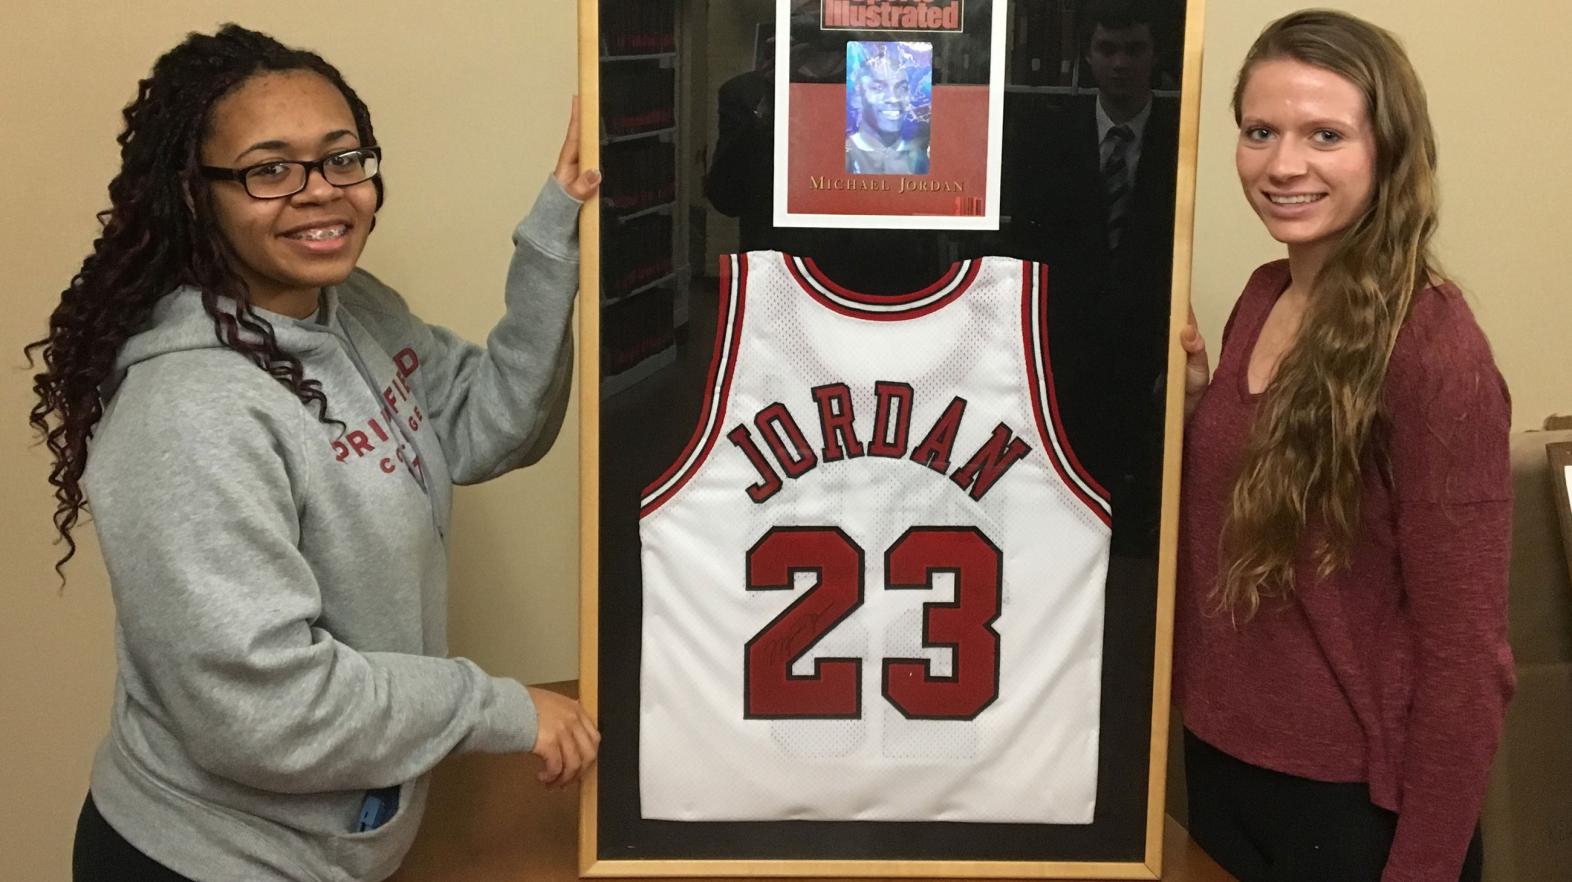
373,854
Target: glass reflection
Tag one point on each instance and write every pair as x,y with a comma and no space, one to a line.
1089,174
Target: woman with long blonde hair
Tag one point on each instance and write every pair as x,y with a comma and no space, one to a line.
1342,664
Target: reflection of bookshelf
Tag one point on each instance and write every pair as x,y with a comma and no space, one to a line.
641,261
1043,51
1078,90
1045,48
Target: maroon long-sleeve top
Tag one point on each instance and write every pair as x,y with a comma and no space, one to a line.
1396,670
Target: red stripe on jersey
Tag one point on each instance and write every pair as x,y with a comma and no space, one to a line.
1039,372
717,390
955,282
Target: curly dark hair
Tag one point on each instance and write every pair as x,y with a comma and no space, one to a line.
159,233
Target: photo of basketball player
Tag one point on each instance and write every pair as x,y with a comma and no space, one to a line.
889,107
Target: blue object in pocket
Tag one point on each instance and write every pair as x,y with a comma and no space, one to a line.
377,808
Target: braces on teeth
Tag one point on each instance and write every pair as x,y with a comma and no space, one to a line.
321,233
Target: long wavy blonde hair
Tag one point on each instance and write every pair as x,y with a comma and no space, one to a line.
1300,473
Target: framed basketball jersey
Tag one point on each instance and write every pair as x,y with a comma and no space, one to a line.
877,542
876,573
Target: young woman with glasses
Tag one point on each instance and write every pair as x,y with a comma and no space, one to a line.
1341,664
269,441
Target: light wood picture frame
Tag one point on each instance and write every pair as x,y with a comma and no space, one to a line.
623,372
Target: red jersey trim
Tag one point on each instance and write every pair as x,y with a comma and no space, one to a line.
955,282
717,391
1045,404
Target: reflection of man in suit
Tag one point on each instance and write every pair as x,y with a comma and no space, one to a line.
1098,205
1099,197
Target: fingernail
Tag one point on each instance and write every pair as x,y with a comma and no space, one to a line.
593,176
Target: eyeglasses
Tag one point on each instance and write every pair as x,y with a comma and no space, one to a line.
279,178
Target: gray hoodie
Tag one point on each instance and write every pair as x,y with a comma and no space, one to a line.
280,583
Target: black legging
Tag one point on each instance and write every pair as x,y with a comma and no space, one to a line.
102,855
1266,826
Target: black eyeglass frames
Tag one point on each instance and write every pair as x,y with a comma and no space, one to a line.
278,178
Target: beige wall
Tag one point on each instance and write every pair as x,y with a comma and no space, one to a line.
494,81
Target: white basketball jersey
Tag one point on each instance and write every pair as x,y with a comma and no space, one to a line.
873,583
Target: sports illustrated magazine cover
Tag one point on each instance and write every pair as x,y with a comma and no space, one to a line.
889,113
